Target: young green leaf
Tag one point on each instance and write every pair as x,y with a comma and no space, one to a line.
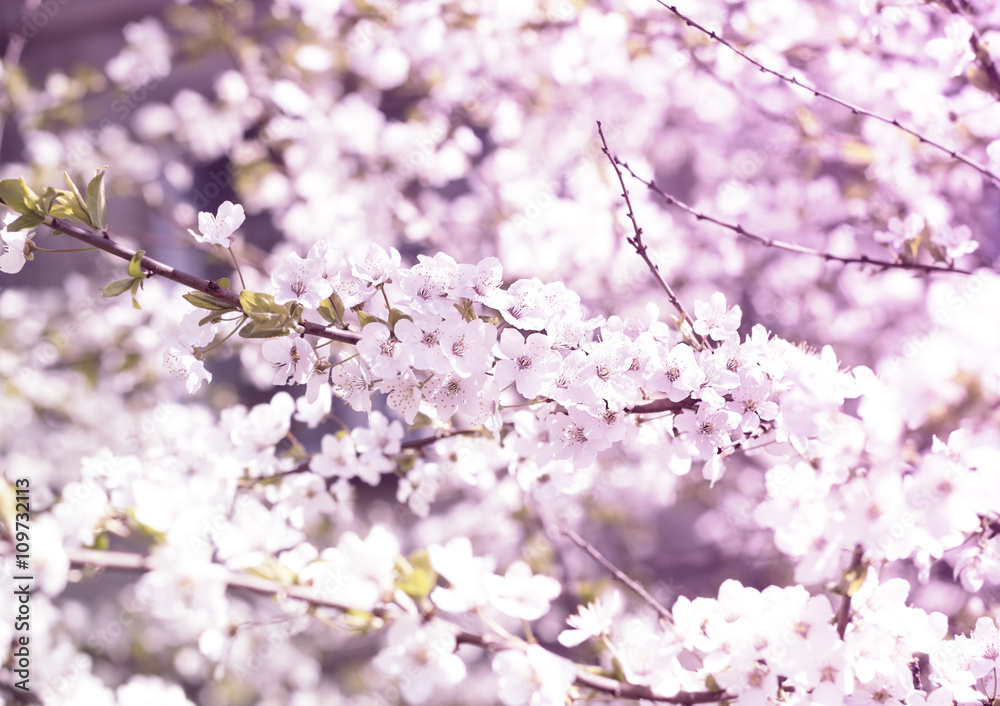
17,195
135,265
77,204
223,282
207,301
97,202
395,315
259,303
119,286
136,286
214,316
329,313
364,318
256,329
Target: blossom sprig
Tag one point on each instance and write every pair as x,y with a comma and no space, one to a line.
961,246
819,93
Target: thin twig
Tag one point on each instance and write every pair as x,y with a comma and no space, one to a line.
617,573
855,109
152,266
782,245
640,247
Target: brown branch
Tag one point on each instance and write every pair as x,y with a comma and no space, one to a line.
782,245
640,247
663,405
148,264
618,574
603,684
417,444
855,109
126,561
624,690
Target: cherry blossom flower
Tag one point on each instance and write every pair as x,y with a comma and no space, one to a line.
468,346
425,342
294,359
525,309
218,229
527,361
591,620
709,427
483,283
377,266
521,594
533,677
351,381
421,656
429,281
13,246
382,351
467,574
681,374
301,280
338,457
956,240
712,319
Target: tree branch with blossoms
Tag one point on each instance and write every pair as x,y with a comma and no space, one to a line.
635,240
855,109
782,245
127,561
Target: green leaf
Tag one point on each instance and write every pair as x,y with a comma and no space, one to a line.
44,205
416,577
338,306
136,285
13,195
214,315
97,202
255,329
855,584
207,301
364,318
135,265
119,286
259,303
329,313
30,197
18,195
66,206
223,282
77,203
28,220
395,315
